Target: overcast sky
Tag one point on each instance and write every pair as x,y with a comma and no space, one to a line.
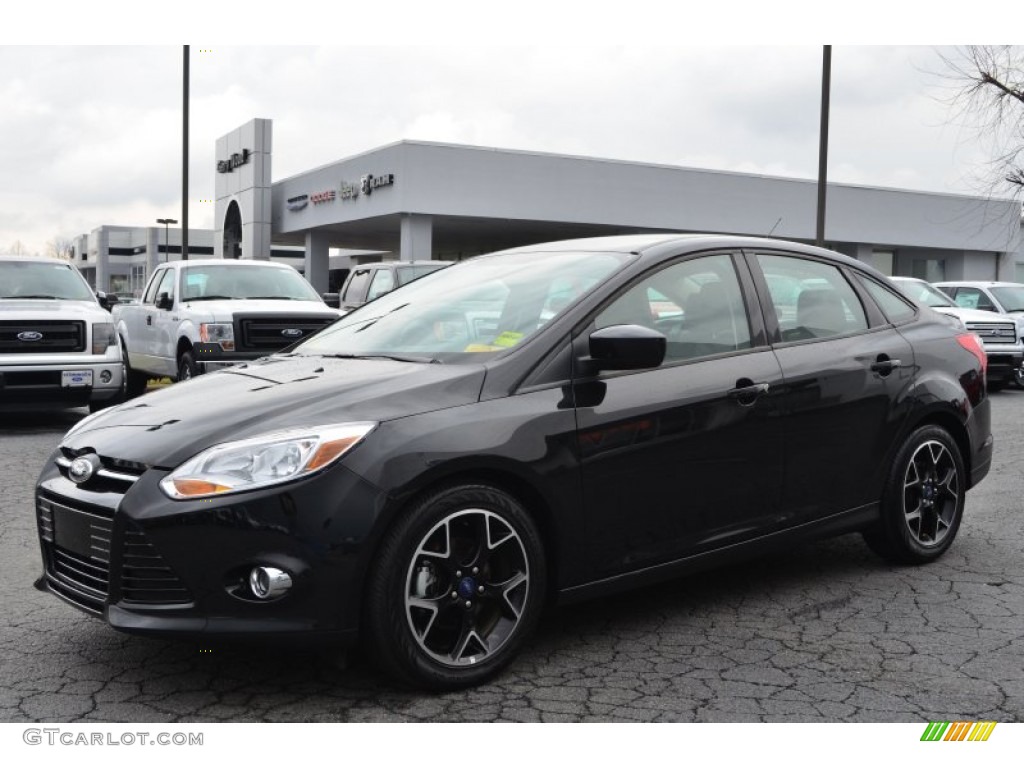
92,135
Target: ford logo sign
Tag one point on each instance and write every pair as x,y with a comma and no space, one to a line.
30,336
291,333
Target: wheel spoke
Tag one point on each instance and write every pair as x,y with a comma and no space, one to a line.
949,483
506,588
441,535
432,605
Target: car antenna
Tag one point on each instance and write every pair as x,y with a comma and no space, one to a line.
773,227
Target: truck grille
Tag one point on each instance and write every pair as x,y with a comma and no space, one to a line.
28,336
145,575
76,547
995,333
271,333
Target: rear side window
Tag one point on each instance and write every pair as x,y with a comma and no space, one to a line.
811,299
894,306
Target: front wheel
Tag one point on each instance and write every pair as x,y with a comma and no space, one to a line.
456,589
187,368
923,502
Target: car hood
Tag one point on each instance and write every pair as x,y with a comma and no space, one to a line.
227,307
168,426
52,309
974,315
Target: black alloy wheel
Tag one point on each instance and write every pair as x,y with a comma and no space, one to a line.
923,503
457,588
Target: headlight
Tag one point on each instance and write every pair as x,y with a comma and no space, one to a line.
103,337
218,333
271,459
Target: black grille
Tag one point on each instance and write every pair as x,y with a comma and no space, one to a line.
145,575
53,336
76,545
268,334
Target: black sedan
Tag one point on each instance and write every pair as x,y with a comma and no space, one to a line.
539,425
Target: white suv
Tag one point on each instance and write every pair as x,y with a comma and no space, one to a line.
57,344
1001,335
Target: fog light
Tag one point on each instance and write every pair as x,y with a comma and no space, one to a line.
267,583
106,376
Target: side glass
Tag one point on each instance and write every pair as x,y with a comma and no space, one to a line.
697,304
812,300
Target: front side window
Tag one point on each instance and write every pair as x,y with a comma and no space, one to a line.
166,285
154,283
696,303
356,285
811,299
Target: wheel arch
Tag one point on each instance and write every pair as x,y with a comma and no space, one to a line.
950,422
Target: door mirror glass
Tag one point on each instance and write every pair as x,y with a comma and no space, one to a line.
331,299
164,301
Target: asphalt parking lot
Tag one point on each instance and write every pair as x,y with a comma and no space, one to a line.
826,632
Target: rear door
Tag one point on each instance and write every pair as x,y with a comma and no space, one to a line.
688,456
848,374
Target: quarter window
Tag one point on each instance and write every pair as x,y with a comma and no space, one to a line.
696,303
811,299
894,307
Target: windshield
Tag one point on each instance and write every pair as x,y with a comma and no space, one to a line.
408,274
1011,297
471,311
42,280
238,281
924,293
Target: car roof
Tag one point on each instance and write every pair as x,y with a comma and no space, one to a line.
982,283
228,263
400,263
655,243
41,259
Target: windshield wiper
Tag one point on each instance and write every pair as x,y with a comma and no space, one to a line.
397,358
275,298
35,296
210,297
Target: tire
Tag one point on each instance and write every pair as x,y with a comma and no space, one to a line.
456,588
135,381
187,368
1018,378
923,501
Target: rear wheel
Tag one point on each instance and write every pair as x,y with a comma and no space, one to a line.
923,502
457,588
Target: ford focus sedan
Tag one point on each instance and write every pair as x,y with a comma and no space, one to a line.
541,425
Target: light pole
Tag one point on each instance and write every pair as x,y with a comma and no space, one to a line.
166,223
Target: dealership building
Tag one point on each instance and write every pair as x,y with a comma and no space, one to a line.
427,200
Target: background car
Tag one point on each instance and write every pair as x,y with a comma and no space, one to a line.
999,334
545,424
57,343
370,281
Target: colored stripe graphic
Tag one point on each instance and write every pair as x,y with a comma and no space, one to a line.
958,731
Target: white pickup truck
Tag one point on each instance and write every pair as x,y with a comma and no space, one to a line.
57,342
202,314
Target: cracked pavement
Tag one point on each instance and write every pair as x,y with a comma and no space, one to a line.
825,632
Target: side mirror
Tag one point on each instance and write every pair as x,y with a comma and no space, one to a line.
626,348
164,301
106,300
332,299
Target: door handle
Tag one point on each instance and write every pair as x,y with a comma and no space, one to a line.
884,365
149,319
747,392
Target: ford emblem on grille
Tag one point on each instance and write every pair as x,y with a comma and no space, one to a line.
30,336
81,469
292,333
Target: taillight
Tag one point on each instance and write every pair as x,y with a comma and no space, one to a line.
972,343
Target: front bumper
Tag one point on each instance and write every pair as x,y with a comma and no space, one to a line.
120,550
38,383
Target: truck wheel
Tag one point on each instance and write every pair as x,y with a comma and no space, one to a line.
187,368
136,381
